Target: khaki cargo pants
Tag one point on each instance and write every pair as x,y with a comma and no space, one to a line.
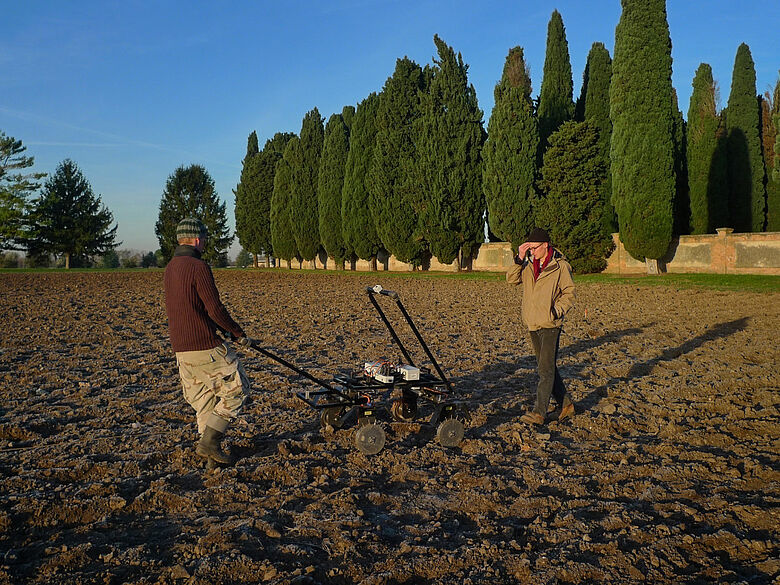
214,384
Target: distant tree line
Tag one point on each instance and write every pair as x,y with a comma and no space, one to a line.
411,171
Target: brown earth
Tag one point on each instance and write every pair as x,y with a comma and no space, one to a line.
668,473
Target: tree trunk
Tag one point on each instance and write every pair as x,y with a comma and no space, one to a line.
652,266
255,264
373,263
341,264
67,260
289,264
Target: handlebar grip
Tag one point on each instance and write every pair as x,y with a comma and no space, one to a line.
377,288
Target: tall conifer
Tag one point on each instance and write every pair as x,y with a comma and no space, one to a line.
305,175
282,236
594,108
682,204
642,148
556,102
450,137
348,114
330,186
357,223
510,152
747,196
706,157
247,195
769,110
392,186
572,175
268,158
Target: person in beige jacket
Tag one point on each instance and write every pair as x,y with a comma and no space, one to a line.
548,294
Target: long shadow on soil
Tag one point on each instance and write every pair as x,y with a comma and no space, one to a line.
642,369
499,373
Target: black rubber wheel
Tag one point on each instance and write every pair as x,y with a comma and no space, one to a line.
403,411
330,416
450,432
370,439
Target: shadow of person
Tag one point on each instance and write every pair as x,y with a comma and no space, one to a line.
721,330
642,369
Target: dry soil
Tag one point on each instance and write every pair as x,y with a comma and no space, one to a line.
668,473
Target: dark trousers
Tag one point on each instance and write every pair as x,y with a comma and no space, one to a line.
545,342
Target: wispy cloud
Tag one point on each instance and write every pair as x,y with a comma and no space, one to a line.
116,140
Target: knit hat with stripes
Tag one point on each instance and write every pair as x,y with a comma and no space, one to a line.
190,228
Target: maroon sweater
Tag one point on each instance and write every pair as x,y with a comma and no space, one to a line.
192,302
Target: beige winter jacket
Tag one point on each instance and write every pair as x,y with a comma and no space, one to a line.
547,299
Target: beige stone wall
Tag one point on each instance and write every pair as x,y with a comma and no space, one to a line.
724,252
721,253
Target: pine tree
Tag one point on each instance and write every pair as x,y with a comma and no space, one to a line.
247,194
68,219
593,107
572,177
747,196
706,157
189,192
769,110
450,137
642,147
556,103
282,237
357,222
304,215
15,189
331,183
391,184
509,155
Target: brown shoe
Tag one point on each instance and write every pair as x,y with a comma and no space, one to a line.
567,411
533,418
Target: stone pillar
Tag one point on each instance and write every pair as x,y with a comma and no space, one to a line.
721,253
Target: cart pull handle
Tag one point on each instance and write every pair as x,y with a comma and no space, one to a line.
377,288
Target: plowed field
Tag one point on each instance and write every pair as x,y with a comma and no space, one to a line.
668,473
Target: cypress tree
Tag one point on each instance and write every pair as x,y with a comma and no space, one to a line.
391,186
268,158
282,237
706,157
776,120
304,216
348,114
572,177
450,137
556,102
247,196
357,223
682,205
510,152
747,197
330,186
642,148
769,111
594,106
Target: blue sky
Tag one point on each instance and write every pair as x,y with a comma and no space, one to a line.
130,90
